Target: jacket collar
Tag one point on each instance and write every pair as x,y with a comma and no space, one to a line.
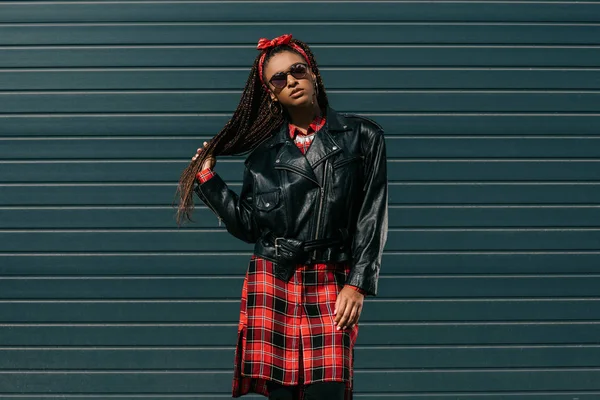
334,123
324,145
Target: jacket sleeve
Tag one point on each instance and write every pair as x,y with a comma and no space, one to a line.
235,211
372,222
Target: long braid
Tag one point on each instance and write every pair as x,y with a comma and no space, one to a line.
250,124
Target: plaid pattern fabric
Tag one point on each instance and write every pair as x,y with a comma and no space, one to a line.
303,140
205,175
286,331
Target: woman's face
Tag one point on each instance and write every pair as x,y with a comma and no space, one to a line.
297,92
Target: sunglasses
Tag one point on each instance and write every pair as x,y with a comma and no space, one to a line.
298,71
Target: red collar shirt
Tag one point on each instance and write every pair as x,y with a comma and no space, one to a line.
303,140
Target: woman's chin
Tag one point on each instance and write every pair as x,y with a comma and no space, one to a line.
300,102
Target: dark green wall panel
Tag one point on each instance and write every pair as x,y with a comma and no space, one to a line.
496,192
245,11
355,33
489,283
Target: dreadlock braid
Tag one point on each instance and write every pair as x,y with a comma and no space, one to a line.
250,124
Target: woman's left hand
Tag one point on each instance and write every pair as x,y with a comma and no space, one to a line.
348,306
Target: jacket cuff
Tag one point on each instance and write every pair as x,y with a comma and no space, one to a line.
205,175
359,280
359,290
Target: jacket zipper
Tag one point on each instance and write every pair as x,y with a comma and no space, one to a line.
321,199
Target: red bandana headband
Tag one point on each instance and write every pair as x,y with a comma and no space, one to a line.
265,44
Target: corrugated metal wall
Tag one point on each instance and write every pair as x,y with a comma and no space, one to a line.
490,284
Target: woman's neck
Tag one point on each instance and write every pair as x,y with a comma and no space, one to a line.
303,117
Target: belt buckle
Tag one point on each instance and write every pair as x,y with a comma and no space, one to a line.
317,254
277,246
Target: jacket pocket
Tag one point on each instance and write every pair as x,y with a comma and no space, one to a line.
268,200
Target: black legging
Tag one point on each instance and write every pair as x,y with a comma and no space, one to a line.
315,391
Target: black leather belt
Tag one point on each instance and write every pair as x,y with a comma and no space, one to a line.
281,243
291,252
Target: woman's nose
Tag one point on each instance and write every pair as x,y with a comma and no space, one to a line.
291,81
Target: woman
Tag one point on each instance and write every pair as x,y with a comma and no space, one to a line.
314,204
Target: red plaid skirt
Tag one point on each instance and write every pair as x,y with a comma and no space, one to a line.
286,332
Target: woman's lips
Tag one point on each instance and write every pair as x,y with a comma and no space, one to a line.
297,94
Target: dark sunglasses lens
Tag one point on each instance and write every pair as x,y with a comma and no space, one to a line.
279,80
298,71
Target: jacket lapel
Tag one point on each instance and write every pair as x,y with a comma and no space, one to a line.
290,158
322,147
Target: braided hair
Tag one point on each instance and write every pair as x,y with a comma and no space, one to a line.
250,124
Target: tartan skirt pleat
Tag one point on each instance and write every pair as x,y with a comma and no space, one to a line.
286,330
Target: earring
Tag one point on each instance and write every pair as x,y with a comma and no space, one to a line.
278,108
316,92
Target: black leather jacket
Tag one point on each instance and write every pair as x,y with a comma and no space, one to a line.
338,188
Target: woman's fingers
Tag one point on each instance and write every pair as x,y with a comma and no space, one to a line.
344,312
353,312
340,308
198,151
352,317
343,319
355,315
348,308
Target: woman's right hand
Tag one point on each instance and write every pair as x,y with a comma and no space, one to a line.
209,162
